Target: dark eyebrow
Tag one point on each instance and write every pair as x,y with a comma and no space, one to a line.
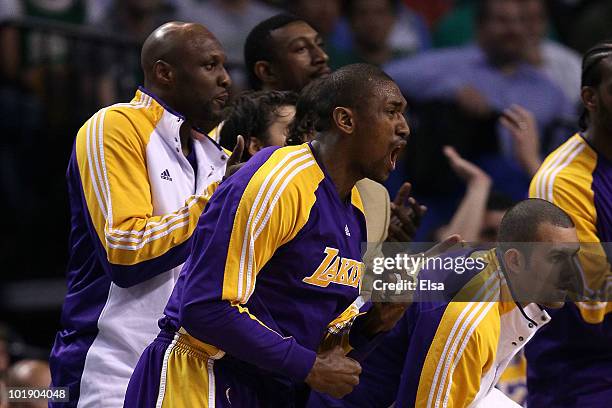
215,56
398,104
302,38
565,251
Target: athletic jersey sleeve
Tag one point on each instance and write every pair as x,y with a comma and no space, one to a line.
237,235
572,193
111,152
462,351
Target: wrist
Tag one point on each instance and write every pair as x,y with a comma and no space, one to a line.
480,182
531,165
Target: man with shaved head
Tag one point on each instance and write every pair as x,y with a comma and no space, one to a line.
138,182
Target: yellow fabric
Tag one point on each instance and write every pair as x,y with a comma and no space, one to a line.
464,345
110,150
215,134
338,330
189,375
460,385
565,179
278,198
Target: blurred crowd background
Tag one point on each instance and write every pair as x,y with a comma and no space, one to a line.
502,88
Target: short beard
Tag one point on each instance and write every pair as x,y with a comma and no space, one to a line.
208,118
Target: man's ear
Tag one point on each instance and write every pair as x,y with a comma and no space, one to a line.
344,119
589,98
263,70
514,260
254,145
164,73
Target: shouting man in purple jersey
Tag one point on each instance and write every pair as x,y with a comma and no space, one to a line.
276,258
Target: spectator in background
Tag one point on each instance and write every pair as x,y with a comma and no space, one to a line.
371,22
376,32
559,63
381,31
261,117
479,215
230,21
30,374
485,79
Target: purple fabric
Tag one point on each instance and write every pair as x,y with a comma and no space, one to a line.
88,287
235,384
570,361
191,158
602,199
89,276
299,312
143,388
392,371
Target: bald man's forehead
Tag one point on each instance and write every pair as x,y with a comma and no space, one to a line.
204,47
172,41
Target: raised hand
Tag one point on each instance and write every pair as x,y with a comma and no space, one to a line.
464,169
234,161
406,215
524,130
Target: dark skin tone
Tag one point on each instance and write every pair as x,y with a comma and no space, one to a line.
372,136
299,58
382,124
406,216
183,65
598,102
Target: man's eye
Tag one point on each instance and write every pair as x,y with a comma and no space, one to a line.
557,259
210,66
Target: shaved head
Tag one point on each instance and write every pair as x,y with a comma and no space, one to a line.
183,65
169,42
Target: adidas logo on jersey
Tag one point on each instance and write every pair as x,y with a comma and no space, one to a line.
346,231
166,175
